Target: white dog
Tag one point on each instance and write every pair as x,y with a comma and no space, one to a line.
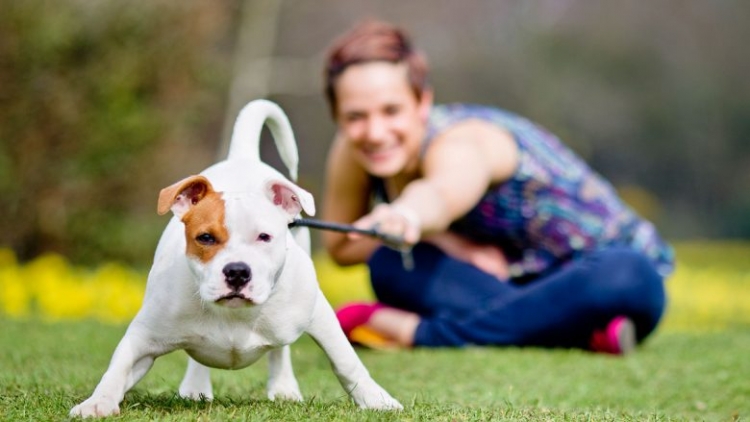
231,282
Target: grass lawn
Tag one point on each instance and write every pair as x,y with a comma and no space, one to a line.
45,369
696,367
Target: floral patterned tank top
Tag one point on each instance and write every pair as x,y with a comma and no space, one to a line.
554,208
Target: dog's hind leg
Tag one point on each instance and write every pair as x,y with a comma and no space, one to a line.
196,384
347,366
281,381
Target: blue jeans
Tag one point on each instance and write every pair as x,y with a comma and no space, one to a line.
462,305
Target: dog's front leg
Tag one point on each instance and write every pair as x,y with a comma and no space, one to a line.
196,384
132,359
281,381
347,366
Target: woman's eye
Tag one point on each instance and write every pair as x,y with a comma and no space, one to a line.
264,237
206,239
353,117
392,110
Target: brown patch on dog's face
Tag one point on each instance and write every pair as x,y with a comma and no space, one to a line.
205,230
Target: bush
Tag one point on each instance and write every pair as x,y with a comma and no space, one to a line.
96,95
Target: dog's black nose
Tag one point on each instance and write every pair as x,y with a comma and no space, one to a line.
237,274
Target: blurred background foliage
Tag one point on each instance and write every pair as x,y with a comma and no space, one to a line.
104,103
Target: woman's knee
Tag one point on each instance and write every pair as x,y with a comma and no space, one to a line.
627,282
627,269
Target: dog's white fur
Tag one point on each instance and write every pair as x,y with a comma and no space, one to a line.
189,303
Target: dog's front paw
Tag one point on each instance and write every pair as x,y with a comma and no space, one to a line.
197,395
191,390
285,391
96,407
370,395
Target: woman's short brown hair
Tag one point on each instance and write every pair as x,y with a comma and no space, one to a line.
370,41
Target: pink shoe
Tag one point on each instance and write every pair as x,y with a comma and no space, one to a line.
352,315
618,338
353,318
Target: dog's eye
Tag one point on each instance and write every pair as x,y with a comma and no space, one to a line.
264,237
206,239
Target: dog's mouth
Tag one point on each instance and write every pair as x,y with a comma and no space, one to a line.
234,300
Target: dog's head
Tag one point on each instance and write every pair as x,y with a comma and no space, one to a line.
236,242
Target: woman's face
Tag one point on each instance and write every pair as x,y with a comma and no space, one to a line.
381,118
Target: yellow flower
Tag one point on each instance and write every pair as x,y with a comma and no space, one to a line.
120,292
15,297
706,292
706,295
343,284
58,289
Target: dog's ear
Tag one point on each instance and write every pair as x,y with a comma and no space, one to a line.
183,195
290,197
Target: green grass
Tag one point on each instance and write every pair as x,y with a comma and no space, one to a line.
695,367
45,369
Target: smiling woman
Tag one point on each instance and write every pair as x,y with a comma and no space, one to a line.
515,239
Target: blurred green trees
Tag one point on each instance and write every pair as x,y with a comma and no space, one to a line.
97,98
104,103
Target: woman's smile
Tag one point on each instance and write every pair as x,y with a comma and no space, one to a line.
380,151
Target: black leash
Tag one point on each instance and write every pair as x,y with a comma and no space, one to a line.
395,242
347,228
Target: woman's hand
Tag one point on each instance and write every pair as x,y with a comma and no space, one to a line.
394,220
488,258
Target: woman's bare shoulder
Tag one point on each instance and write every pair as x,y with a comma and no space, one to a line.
489,141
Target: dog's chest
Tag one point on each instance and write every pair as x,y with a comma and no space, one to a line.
229,349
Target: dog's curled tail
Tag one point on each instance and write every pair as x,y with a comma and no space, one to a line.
245,142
